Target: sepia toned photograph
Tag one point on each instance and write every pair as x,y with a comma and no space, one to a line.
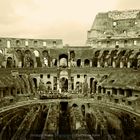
69,70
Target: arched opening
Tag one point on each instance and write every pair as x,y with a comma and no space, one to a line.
63,106
97,53
35,82
45,53
64,73
77,86
78,62
48,86
64,84
72,83
99,89
54,62
112,55
128,93
37,56
28,52
91,84
105,53
63,60
35,43
94,86
95,58
9,62
86,63
122,53
28,61
72,58
83,109
19,52
114,91
94,61
17,43
72,55
46,58
74,105
121,92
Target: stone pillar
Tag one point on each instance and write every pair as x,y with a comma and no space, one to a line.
121,64
35,65
114,64
90,63
102,92
82,63
69,63
58,63
19,64
98,64
128,64
118,92
105,64
125,93
57,83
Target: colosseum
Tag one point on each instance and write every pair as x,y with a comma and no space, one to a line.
59,92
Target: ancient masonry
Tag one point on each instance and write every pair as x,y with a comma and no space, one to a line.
51,91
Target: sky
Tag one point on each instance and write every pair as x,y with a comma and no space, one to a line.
59,19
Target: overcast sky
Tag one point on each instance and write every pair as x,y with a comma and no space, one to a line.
65,19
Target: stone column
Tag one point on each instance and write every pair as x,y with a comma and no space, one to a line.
98,64
125,93
90,63
58,63
57,83
69,63
118,92
102,91
35,65
114,64
128,64
105,64
121,64
20,64
82,63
